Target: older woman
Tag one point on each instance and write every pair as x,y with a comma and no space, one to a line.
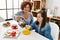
25,14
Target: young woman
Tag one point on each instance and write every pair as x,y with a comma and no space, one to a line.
25,13
41,26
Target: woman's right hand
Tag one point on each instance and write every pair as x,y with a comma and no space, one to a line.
18,18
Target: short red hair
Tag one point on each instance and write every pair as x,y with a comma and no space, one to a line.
23,5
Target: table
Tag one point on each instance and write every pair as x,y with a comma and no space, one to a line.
32,36
55,19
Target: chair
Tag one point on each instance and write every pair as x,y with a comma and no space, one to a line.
54,30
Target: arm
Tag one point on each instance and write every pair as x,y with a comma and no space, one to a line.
48,32
17,16
31,19
32,26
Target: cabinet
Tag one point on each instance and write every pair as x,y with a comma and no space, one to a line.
37,6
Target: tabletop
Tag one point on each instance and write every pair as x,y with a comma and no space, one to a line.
32,36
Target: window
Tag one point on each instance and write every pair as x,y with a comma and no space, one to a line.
9,7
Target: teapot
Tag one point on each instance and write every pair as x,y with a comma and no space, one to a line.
22,23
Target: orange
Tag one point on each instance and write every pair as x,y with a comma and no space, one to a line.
26,32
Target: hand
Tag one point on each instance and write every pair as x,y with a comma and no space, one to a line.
18,18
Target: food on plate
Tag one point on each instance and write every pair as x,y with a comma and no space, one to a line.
13,34
8,34
26,32
6,24
27,27
14,27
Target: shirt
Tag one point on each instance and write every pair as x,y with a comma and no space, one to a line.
29,20
45,31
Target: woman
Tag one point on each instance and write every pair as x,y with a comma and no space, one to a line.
41,26
25,14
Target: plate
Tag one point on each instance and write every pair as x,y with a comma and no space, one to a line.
7,34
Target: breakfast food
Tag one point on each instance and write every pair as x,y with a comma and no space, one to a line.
6,24
7,34
13,34
14,27
26,32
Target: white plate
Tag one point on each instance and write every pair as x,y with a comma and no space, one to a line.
7,36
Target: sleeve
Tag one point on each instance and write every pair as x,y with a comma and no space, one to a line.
14,17
32,26
31,19
17,14
48,33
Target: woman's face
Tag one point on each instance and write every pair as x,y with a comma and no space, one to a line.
26,9
39,18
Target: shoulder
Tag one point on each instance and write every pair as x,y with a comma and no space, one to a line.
47,26
18,13
30,14
33,24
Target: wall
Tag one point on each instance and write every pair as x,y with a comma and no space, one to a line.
52,3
